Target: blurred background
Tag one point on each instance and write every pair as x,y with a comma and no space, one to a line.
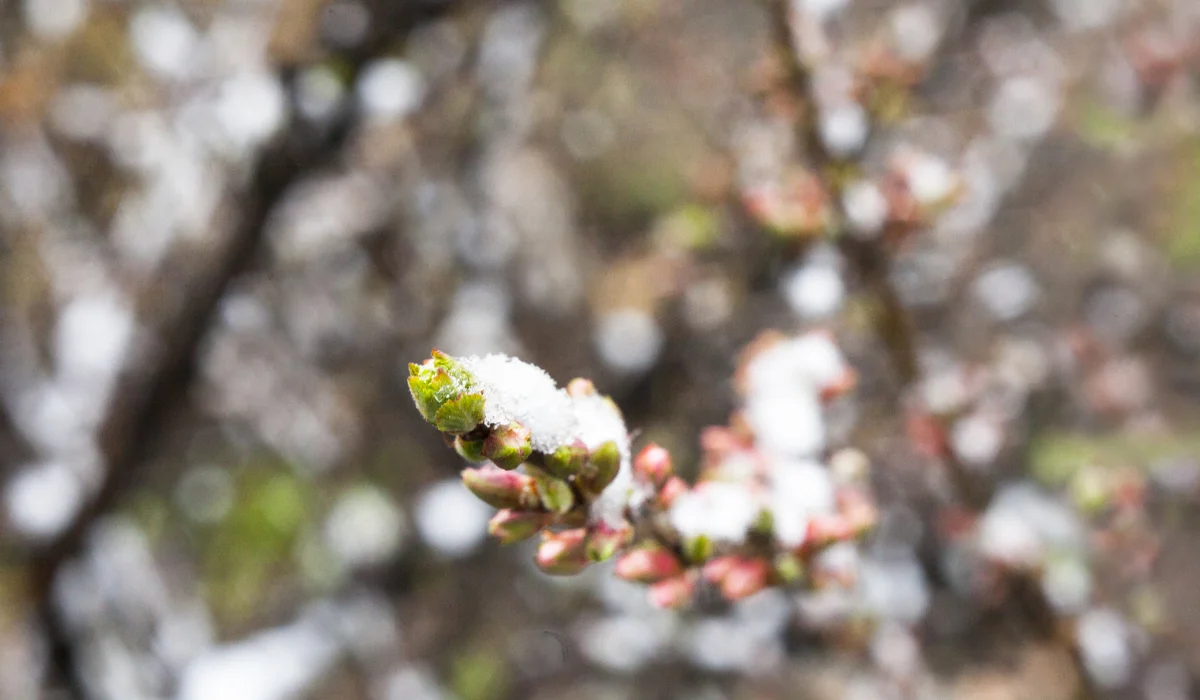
226,226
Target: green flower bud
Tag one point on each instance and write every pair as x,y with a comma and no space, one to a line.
567,461
556,495
508,445
602,467
511,526
563,553
470,450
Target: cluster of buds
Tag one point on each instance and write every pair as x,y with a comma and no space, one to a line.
797,207
765,507
556,462
737,533
545,475
838,98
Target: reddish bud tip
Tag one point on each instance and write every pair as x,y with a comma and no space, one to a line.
715,570
511,526
674,592
604,541
648,565
745,578
563,553
671,490
501,489
653,464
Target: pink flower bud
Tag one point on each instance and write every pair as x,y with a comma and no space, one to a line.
674,592
671,490
826,529
715,570
563,553
653,464
581,387
648,564
501,489
745,578
511,526
605,540
858,511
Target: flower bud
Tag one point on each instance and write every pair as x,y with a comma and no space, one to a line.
567,461
511,526
604,540
653,464
563,553
788,567
674,592
858,511
648,564
674,488
501,489
556,495
581,387
745,578
470,450
826,529
508,445
715,570
460,415
430,388
698,548
602,467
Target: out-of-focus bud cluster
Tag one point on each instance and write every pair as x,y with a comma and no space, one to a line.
551,458
766,505
846,95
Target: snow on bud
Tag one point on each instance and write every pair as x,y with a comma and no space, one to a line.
653,464
563,553
648,564
511,526
437,382
501,489
604,541
722,511
508,445
674,592
460,415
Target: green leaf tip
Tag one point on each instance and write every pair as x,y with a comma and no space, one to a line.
460,415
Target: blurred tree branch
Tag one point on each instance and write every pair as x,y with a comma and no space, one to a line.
153,390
